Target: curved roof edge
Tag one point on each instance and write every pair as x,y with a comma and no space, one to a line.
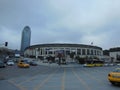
63,45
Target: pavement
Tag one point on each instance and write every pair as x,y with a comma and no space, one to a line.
48,76
54,78
10,85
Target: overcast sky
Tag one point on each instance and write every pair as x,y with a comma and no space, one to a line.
61,21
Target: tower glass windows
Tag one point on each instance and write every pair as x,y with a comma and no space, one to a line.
25,40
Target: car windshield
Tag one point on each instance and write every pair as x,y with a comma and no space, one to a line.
25,62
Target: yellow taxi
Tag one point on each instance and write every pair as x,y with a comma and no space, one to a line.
114,76
98,64
23,64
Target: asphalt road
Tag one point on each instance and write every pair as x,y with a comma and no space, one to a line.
55,78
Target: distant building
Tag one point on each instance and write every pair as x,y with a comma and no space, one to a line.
115,54
26,37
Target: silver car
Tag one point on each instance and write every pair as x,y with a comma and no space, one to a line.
10,62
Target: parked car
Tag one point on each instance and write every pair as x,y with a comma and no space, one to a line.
106,64
2,64
10,62
23,64
114,76
33,63
111,64
26,60
118,64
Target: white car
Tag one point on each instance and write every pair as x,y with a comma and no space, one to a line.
118,64
106,64
10,63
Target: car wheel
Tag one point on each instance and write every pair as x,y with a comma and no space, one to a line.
113,83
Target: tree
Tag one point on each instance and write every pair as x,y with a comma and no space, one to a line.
106,52
72,54
81,60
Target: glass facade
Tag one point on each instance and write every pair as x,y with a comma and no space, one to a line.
26,36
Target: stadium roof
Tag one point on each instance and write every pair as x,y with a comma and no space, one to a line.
64,45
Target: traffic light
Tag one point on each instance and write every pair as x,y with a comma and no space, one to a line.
6,44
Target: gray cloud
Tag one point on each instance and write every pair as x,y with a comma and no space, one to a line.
69,21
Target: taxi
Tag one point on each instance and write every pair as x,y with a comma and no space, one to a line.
98,65
114,76
23,64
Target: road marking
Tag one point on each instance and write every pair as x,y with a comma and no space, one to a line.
31,78
63,80
45,81
19,85
16,85
81,80
91,76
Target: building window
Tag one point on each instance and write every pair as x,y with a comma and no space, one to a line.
88,52
67,51
50,52
94,52
79,51
91,52
97,52
46,52
83,51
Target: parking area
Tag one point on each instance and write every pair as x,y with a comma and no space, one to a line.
55,78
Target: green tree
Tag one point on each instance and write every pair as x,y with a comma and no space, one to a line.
72,54
81,60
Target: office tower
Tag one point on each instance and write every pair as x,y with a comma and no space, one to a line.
25,40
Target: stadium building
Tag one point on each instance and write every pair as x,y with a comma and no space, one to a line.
65,49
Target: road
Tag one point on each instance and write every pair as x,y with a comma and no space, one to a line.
55,78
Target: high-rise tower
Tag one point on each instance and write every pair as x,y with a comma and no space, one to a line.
26,37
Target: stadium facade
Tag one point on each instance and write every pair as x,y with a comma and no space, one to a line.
65,49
